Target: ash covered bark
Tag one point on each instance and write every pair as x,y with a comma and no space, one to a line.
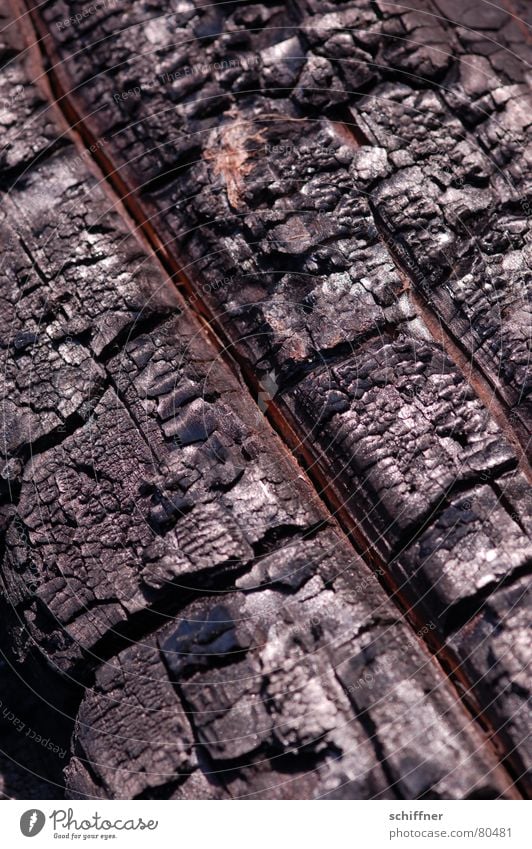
269,683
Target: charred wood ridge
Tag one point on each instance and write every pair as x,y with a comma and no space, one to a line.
486,390
506,4
127,204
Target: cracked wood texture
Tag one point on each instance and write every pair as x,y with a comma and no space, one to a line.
340,195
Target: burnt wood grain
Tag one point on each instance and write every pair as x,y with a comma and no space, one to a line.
325,184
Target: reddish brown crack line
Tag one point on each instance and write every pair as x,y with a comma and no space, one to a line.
125,202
